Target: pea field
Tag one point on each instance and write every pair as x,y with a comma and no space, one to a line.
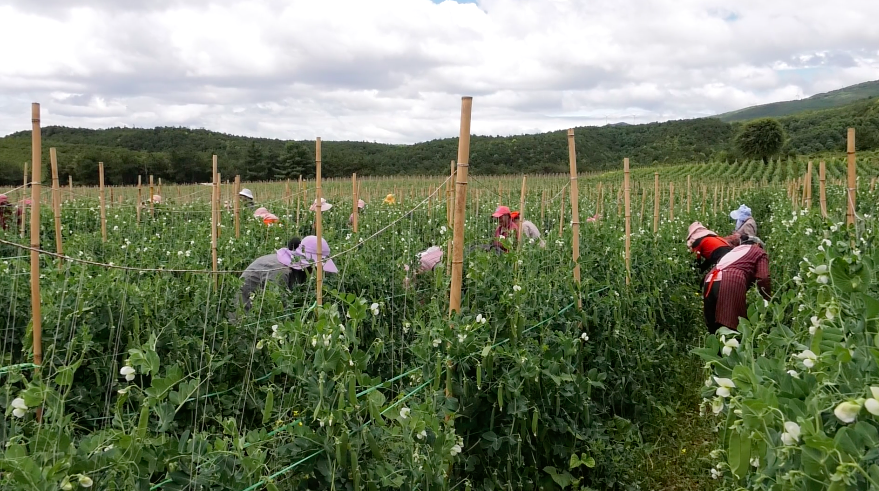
153,378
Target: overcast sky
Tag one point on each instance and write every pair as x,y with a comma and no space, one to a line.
395,70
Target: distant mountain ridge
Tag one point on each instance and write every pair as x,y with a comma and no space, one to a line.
826,100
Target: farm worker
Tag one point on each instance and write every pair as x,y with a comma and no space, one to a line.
360,205
594,218
6,212
324,206
529,230
260,212
506,227
390,200
157,199
427,261
286,267
745,225
707,246
725,287
246,197
269,218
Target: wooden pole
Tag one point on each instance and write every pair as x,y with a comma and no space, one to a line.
298,202
56,205
628,211
714,207
643,205
287,196
102,200
139,196
236,204
318,223
217,197
655,202
852,187
23,206
543,209
688,194
460,205
521,212
36,188
159,189
599,207
575,217
809,186
450,197
671,201
822,187
354,198
215,189
152,192
70,187
562,215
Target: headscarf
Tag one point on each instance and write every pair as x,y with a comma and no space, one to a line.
741,215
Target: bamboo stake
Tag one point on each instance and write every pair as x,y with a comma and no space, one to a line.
287,196
36,189
671,201
714,208
219,208
460,205
23,206
139,197
562,215
103,210
236,206
822,188
70,187
543,209
643,205
628,211
688,194
851,174
809,186
56,205
656,202
575,216
159,189
152,194
521,212
704,198
298,201
214,192
354,198
318,223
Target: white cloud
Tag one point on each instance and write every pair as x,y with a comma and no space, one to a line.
394,70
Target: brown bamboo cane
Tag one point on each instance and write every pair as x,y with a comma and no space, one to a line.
56,206
643,205
102,202
152,193
24,207
809,186
851,174
671,201
318,223
822,188
36,192
656,197
236,207
628,211
688,194
521,212
575,216
354,209
543,209
299,196
460,205
215,191
139,197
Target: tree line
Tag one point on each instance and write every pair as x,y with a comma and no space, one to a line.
183,155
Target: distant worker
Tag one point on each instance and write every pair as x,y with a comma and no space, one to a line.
506,229
324,205
157,200
726,286
7,212
706,245
390,200
745,225
427,261
287,267
246,197
360,205
529,230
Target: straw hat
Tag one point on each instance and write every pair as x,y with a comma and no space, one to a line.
324,206
246,193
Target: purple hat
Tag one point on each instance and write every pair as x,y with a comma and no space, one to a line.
306,254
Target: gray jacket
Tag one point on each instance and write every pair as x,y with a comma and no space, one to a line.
748,228
260,272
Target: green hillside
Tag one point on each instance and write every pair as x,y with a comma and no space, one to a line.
183,155
827,100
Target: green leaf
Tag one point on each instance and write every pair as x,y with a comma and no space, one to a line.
563,479
871,307
64,376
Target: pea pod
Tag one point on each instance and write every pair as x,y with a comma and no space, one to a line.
449,379
267,409
143,420
500,396
270,486
340,453
534,418
373,446
478,375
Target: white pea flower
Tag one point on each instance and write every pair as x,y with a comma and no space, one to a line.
275,333
404,413
374,308
584,337
791,434
729,345
85,481
872,404
815,325
456,449
717,405
793,373
809,358
462,337
820,269
725,385
437,342
517,288
755,461
823,279
422,435
127,372
19,408
847,411
66,485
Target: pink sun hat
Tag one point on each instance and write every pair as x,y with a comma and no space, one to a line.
501,211
696,232
430,258
306,254
157,198
260,212
361,203
324,206
3,199
269,218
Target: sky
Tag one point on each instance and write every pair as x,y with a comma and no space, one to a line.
394,71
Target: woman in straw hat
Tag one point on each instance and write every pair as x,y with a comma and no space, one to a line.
706,245
725,287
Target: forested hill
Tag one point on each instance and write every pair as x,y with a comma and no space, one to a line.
826,100
184,155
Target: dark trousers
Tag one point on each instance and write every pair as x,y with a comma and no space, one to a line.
709,306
